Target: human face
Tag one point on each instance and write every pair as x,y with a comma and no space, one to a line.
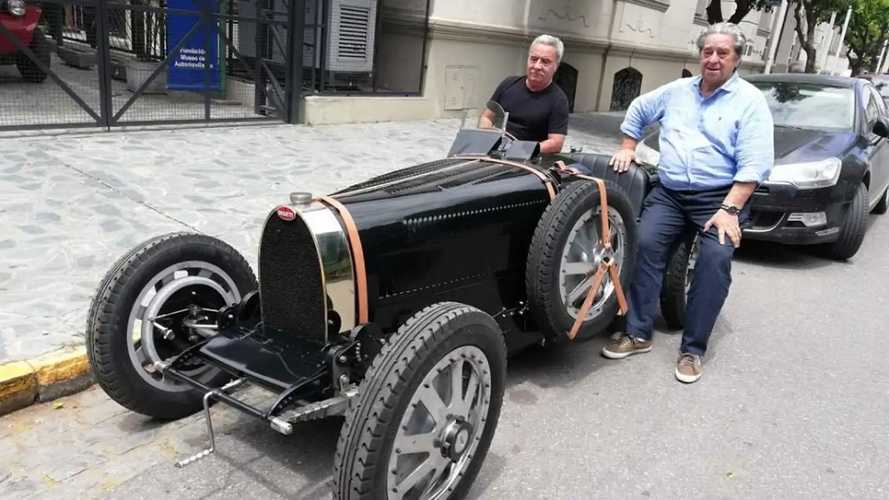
541,66
718,60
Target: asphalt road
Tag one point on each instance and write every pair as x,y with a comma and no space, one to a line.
792,404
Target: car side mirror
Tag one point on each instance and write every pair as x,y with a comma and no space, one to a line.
881,127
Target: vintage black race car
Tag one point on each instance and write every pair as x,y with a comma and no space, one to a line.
394,301
831,162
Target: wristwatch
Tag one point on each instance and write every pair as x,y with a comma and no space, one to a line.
731,209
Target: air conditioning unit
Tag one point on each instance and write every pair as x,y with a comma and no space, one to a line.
349,46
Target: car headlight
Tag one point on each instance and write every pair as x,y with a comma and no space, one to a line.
16,7
809,175
646,155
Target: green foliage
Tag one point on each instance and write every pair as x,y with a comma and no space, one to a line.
868,29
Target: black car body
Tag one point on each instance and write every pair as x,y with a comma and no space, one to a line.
831,161
393,301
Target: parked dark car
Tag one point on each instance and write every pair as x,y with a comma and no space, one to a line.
394,301
831,162
19,31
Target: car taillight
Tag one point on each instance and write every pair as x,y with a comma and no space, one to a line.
16,7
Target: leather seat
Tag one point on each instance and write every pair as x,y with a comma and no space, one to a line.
636,182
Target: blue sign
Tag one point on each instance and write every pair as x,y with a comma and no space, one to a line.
196,66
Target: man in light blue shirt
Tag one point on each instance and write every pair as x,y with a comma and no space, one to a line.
716,144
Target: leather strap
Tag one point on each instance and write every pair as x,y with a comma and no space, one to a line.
605,265
357,255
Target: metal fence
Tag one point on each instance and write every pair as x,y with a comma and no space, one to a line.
121,62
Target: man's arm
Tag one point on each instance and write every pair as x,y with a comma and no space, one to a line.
486,120
553,143
643,111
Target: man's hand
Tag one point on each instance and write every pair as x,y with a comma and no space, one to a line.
625,155
726,224
622,159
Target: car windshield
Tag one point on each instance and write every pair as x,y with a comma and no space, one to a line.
807,105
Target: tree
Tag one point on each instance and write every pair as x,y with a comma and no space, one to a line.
808,14
742,8
868,29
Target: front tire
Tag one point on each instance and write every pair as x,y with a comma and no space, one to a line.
427,409
852,231
148,308
566,248
30,71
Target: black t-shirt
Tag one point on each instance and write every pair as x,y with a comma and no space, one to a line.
532,115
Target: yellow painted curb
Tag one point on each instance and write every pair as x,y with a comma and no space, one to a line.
44,378
61,366
18,386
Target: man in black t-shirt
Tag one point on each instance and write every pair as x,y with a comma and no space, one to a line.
537,107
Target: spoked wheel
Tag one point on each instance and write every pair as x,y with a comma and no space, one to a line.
427,409
161,298
678,278
566,251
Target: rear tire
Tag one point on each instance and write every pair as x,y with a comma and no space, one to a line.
450,357
883,204
565,247
853,228
677,281
138,317
30,71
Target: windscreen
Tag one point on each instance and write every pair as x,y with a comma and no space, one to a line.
807,105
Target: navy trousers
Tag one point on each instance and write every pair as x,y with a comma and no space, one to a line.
667,216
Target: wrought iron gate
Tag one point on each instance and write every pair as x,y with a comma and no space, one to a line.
125,62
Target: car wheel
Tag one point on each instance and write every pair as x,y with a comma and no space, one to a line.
427,409
143,313
883,204
677,281
30,71
565,250
852,231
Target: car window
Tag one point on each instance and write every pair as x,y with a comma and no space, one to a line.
807,105
878,99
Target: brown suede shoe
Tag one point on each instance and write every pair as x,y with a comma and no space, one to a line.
689,368
624,345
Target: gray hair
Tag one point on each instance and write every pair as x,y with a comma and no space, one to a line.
725,29
552,42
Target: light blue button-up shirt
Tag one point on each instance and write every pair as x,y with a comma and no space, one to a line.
707,142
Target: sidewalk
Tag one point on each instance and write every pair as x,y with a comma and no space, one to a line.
71,204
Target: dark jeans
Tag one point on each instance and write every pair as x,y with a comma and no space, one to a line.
666,217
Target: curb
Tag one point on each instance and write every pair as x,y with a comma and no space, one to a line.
47,377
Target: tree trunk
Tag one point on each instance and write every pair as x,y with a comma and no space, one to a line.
742,8
714,12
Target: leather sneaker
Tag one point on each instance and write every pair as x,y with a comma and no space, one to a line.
689,368
625,345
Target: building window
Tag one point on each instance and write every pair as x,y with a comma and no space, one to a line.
627,85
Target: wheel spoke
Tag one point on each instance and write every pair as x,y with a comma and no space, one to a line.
417,443
467,397
441,468
574,268
579,291
416,475
434,405
456,385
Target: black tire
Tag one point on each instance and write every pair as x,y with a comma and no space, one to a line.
677,280
852,231
573,215
28,68
372,449
883,204
157,278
